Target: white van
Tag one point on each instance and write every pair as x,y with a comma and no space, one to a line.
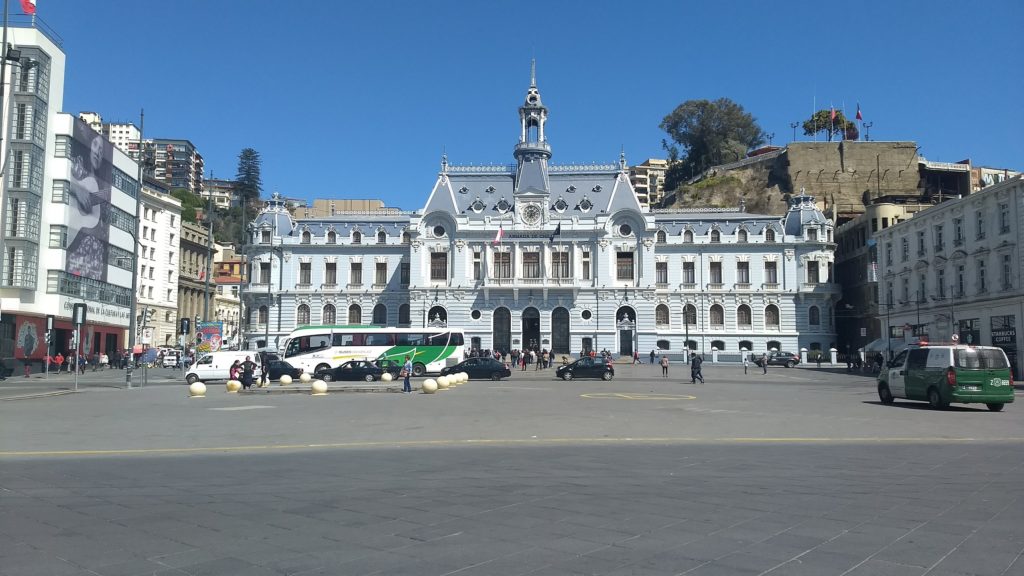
171,359
216,366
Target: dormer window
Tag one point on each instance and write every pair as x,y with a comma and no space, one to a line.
332,237
264,236
741,236
660,237
463,190
306,237
382,237
561,205
716,236
405,237
477,206
812,234
769,235
357,237
688,237
503,206
586,204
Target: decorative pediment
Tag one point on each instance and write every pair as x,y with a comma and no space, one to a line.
330,259
380,259
305,259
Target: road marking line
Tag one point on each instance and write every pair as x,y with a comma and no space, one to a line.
636,396
518,442
236,408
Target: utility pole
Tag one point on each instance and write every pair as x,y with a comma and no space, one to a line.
134,300
209,251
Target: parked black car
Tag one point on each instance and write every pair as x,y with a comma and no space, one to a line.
352,370
279,368
392,366
586,368
479,369
787,359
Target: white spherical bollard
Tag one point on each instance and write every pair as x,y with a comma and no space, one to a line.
429,386
197,390
386,377
463,377
305,378
318,388
285,380
233,386
442,383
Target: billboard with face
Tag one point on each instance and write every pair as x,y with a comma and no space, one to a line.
89,219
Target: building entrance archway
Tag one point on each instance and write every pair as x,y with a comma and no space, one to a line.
531,329
560,331
501,330
625,325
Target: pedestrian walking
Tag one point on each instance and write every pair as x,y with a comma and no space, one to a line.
695,373
652,356
406,371
664,366
746,361
58,361
264,370
636,357
764,363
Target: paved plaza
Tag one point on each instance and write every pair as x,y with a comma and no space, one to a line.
801,471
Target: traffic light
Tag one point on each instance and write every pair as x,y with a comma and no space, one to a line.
198,318
149,314
185,325
74,340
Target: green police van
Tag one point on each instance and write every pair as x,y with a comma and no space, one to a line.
944,374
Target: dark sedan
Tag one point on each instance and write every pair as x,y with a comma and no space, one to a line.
787,359
479,369
586,368
279,368
352,370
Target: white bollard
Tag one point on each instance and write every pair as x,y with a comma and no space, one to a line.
318,388
197,390
233,386
442,383
429,386
285,380
386,377
305,378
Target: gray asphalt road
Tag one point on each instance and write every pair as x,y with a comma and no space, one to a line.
802,472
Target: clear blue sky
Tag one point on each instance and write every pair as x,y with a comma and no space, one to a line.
358,99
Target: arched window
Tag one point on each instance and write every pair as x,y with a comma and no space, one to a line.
774,345
769,235
332,238
661,315
688,236
382,237
405,237
660,237
718,345
302,315
380,315
741,236
716,236
717,315
664,345
330,315
771,316
690,315
814,316
305,238
355,314
263,316
403,315
746,345
357,237
744,317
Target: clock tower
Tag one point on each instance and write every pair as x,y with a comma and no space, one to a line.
532,153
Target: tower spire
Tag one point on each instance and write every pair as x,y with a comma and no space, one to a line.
533,73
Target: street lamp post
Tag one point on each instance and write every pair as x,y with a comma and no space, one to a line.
133,300
793,125
867,130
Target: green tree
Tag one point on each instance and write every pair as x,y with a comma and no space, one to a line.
822,121
703,133
189,203
247,180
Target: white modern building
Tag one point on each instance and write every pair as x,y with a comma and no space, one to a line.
558,257
159,237
69,206
955,269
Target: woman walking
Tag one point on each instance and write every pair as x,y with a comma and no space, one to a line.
664,366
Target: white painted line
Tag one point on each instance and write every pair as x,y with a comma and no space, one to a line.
235,408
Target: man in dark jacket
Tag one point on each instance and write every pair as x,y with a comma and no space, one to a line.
695,365
248,368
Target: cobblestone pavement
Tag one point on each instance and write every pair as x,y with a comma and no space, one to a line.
800,472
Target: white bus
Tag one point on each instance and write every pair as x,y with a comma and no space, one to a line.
316,348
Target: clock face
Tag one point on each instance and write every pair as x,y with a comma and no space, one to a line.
531,214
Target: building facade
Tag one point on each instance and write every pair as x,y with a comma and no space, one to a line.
196,289
69,202
955,269
159,241
228,268
176,162
648,180
558,257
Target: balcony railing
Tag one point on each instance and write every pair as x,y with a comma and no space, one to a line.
380,285
688,286
715,286
661,285
330,286
743,285
770,286
304,286
355,286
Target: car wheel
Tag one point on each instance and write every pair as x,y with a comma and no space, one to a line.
369,378
495,375
418,370
995,407
321,368
790,364
607,376
884,394
325,376
567,376
935,399
191,379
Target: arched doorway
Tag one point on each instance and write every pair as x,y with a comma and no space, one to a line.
531,329
625,323
501,330
560,331
380,315
437,317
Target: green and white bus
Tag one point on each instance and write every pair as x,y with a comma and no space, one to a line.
316,348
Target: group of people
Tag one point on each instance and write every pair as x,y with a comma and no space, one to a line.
540,359
60,362
245,371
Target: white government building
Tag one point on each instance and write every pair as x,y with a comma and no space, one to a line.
557,257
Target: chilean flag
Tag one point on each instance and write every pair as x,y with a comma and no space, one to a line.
501,232
28,6
859,116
